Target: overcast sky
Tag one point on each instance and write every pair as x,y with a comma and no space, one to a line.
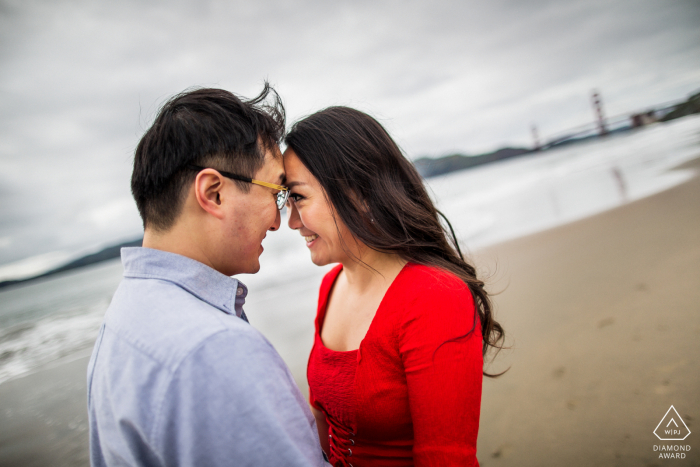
80,81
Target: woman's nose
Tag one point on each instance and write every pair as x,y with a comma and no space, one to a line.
293,218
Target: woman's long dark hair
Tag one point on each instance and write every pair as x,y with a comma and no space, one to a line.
380,197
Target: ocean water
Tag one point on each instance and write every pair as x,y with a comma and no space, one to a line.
59,317
54,317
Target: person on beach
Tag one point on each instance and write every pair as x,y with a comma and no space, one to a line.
403,323
177,375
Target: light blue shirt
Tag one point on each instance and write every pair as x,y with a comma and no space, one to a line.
178,378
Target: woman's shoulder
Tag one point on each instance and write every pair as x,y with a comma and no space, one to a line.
423,278
426,292
420,287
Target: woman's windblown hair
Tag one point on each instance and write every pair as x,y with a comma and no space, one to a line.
380,197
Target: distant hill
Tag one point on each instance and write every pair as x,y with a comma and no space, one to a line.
691,106
428,167
110,252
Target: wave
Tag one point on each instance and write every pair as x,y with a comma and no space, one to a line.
27,346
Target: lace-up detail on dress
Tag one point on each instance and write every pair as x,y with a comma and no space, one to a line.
338,392
342,442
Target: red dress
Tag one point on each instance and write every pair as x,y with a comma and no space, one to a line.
409,395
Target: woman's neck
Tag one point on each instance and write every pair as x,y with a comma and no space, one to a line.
379,270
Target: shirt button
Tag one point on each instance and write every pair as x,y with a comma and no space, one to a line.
239,292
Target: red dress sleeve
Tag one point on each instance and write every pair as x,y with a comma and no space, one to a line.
443,370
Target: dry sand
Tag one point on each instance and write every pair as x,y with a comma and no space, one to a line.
604,320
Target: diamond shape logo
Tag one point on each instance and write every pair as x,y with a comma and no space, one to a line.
671,427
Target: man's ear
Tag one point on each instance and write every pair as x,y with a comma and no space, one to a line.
207,190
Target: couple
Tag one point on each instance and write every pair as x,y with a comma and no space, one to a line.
179,377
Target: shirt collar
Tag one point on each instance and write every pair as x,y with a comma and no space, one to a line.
205,283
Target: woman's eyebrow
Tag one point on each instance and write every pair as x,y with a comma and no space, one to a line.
295,183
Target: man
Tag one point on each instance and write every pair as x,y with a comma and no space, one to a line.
177,375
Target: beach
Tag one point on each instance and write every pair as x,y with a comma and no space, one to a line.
43,420
602,317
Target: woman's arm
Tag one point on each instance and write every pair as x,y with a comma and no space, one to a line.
322,426
443,376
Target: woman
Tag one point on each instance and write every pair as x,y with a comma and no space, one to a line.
403,323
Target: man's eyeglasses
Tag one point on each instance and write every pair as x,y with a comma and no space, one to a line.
282,195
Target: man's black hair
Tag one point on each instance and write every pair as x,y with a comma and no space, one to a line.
206,127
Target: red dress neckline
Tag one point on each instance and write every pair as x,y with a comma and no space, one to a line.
325,295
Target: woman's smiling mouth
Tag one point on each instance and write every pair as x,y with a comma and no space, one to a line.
310,239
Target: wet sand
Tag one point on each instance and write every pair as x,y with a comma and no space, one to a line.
603,316
43,416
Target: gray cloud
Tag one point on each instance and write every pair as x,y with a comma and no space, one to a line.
80,81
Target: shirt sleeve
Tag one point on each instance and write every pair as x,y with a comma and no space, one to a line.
232,401
443,374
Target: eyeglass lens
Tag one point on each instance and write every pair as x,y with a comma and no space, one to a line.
282,199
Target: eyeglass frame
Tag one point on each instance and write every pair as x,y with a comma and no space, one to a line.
282,195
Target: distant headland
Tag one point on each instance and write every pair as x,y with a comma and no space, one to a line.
432,167
111,252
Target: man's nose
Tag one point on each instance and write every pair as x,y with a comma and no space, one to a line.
278,221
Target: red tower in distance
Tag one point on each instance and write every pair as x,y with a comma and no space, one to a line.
598,109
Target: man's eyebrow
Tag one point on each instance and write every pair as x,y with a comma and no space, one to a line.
280,178
293,184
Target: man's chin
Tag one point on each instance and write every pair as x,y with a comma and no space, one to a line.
249,269
254,268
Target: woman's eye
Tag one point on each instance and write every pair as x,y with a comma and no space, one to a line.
295,197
